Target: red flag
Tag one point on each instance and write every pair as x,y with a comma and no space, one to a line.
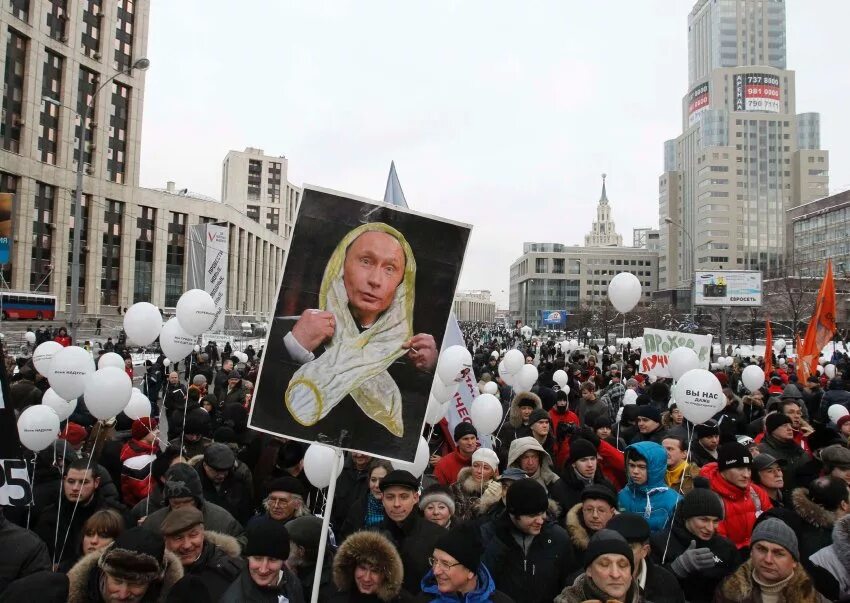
821,327
798,345
768,350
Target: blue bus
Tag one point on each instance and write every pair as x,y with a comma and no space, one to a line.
27,306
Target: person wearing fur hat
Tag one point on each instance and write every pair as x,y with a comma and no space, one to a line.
773,572
517,424
183,488
265,577
210,556
135,567
136,456
475,482
598,505
826,500
582,470
437,505
530,557
368,569
466,442
608,567
693,550
457,574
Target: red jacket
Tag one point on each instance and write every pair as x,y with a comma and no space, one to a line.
449,466
136,458
562,449
741,507
613,464
63,341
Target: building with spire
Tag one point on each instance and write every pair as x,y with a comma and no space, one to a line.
603,232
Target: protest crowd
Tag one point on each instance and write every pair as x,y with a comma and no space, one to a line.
594,487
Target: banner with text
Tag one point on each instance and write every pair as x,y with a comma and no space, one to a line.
208,262
657,345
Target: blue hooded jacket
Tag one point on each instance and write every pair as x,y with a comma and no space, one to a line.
653,500
482,594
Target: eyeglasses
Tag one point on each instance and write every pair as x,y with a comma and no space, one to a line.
435,563
274,501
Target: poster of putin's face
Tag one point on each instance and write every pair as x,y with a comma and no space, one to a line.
350,355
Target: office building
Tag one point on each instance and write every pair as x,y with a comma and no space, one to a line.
134,239
745,155
818,231
475,306
647,238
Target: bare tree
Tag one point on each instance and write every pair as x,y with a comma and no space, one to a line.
790,299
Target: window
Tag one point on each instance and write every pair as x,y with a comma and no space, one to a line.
42,238
51,87
113,216
253,212
143,275
274,182
8,184
255,170
86,86
84,241
90,31
21,9
558,266
116,159
273,219
13,94
540,265
56,19
174,258
124,35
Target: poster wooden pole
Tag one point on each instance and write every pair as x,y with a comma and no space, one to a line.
326,520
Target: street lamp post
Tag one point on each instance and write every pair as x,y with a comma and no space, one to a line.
693,268
140,64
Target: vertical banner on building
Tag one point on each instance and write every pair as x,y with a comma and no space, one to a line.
6,207
208,263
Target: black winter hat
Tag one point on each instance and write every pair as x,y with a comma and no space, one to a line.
649,412
225,435
44,587
182,481
701,502
189,589
399,477
219,456
464,429
290,454
608,542
599,492
707,429
659,392
293,485
601,421
267,538
197,422
733,455
579,449
538,414
305,531
526,497
776,420
464,544
136,555
631,526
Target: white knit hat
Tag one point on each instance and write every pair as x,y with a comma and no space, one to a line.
485,455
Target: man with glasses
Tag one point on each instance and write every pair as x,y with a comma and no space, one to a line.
284,501
530,557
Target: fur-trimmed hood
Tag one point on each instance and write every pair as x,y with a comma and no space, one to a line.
376,550
80,576
740,586
469,485
226,543
809,511
841,540
514,417
579,535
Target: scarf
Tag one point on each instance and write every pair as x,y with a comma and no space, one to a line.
770,593
673,477
591,591
374,511
356,363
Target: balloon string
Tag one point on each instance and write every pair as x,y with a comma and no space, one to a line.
77,502
690,433
59,505
32,490
186,404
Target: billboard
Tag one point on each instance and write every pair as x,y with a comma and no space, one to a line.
757,92
697,103
728,288
6,207
658,344
208,262
553,317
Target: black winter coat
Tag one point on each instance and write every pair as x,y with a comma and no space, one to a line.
23,553
414,539
219,564
535,573
572,486
351,485
245,590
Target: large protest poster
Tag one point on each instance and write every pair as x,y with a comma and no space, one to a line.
15,488
361,311
657,345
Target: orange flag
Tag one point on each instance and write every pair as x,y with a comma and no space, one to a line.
821,327
768,350
798,345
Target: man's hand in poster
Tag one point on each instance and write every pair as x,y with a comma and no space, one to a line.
422,351
314,328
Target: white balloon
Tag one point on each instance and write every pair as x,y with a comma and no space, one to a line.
782,362
829,369
779,345
29,336
612,349
836,411
514,361
729,361
624,291
566,389
196,311
753,377
63,408
142,323
420,461
43,354
69,371
527,376
441,391
560,377
820,369
715,366
166,363
721,361
107,392
452,361
174,341
630,397
318,463
486,413
110,359
491,387
434,411
682,360
38,427
699,395
139,406
197,348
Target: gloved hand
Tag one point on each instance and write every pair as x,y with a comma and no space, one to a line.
493,490
564,430
692,560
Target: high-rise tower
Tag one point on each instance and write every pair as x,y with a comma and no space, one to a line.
603,232
745,155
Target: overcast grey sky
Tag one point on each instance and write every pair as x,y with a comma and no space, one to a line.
500,114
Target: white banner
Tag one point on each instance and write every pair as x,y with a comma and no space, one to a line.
215,270
657,345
